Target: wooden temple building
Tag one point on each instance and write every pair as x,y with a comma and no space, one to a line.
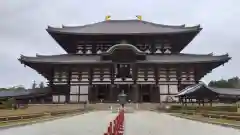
202,93
141,58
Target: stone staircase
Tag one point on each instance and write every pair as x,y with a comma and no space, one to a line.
103,106
129,107
148,106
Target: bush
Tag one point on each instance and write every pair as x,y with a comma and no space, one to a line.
7,104
205,108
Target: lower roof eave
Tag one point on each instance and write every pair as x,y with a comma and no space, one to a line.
110,62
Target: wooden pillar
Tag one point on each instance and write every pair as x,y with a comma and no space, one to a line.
195,74
179,78
156,87
156,74
97,92
111,88
186,99
90,93
157,94
135,93
94,93
211,102
153,48
101,73
134,73
51,85
94,48
68,86
90,87
135,86
152,93
112,73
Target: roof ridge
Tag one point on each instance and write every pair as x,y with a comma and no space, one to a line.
128,20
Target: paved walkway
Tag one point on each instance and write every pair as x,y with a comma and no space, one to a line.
152,123
93,123
137,123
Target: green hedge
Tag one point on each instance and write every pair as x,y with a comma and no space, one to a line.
205,108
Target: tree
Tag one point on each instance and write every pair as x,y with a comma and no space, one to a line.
2,89
233,82
19,87
41,85
34,85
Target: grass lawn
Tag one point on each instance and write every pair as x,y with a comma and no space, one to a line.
41,108
17,122
206,104
35,109
34,120
209,120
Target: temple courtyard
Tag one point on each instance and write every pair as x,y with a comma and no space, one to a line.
137,123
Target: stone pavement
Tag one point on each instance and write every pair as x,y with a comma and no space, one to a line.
93,123
153,123
137,123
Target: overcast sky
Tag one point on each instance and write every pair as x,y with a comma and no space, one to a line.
23,24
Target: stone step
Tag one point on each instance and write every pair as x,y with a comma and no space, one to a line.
135,106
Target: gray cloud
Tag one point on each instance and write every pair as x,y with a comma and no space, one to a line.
23,23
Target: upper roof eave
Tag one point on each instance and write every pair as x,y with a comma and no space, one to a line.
116,27
97,34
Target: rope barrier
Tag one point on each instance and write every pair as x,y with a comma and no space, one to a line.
117,126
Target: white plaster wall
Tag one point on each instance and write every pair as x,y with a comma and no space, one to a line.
163,89
83,89
55,98
62,98
73,98
163,98
74,89
83,98
173,89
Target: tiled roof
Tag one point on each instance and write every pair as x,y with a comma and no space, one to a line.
203,87
123,27
168,59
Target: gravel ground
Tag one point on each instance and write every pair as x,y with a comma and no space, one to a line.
137,123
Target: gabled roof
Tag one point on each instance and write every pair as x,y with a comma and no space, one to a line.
123,27
162,59
201,87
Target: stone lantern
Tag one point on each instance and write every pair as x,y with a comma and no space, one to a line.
122,99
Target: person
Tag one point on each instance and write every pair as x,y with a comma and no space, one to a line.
122,105
85,104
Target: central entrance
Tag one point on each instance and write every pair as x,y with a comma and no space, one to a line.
145,90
